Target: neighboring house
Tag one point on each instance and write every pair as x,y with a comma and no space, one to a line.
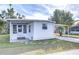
75,28
28,29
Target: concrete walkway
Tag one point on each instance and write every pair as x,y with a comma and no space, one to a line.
68,39
70,52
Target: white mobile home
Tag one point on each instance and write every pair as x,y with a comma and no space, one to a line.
75,28
23,29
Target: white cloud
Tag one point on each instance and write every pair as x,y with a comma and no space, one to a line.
67,7
52,7
19,9
3,7
23,10
49,7
38,16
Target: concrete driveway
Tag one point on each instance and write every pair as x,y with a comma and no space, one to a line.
70,52
68,39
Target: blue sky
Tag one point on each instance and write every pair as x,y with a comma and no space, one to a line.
42,11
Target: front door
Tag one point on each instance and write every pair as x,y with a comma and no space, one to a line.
20,31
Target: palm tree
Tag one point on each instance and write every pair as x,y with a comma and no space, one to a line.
10,5
60,30
18,15
11,12
23,17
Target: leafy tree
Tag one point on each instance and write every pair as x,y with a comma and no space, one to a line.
9,13
62,17
2,23
3,14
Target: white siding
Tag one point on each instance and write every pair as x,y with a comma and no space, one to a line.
30,35
74,32
40,33
13,37
36,33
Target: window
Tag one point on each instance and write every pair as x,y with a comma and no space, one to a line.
44,26
19,28
29,28
75,28
24,29
14,29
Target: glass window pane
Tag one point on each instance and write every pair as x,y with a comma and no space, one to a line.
44,26
19,28
24,29
14,29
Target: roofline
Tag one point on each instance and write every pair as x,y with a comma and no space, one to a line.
61,25
29,20
25,19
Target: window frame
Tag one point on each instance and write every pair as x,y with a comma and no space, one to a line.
14,29
29,28
25,29
44,26
20,28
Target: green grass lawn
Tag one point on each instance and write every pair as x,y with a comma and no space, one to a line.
4,38
35,47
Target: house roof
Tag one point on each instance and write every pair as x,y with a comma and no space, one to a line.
75,24
32,20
